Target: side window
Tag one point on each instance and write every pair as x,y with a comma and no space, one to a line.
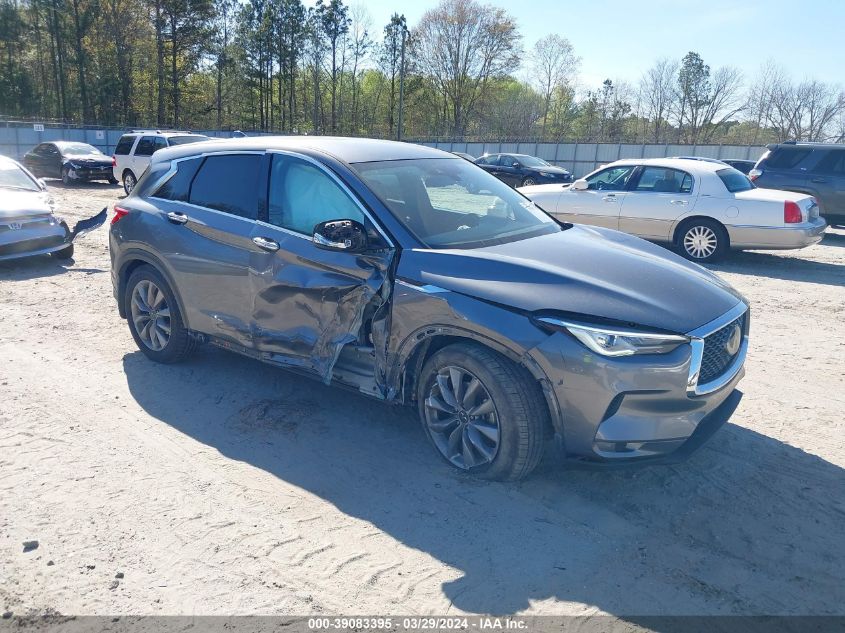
832,163
160,143
787,157
124,145
664,180
302,195
506,161
487,160
146,146
228,183
611,179
178,186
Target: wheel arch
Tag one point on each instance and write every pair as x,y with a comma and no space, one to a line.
424,343
683,222
129,264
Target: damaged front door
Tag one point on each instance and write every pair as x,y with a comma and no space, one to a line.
309,302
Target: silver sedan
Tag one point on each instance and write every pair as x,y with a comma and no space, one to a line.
703,208
28,225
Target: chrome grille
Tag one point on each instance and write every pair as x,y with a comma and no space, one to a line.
716,358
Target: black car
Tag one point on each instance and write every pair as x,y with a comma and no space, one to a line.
522,170
70,161
817,169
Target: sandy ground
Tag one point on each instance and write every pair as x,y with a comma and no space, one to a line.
225,486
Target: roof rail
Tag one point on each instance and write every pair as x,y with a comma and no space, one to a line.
160,131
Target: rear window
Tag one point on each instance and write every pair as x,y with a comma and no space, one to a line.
228,183
184,140
787,157
734,181
178,186
124,145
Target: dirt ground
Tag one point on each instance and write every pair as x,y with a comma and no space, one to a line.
223,486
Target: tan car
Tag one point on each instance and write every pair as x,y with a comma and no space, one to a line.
702,207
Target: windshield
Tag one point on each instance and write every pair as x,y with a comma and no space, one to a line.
734,180
184,140
13,177
68,149
451,203
532,161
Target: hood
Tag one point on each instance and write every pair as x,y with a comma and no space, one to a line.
587,271
23,204
88,158
551,169
772,195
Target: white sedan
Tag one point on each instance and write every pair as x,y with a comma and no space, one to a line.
703,208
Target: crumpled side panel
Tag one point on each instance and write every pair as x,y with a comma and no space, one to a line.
305,312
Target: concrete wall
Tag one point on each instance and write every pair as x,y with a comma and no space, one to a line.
580,158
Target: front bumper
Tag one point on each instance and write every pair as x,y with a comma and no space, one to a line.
775,238
94,172
641,408
40,236
556,180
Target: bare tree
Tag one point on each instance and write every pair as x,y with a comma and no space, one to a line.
724,101
553,65
657,87
461,45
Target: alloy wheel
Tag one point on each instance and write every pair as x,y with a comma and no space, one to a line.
700,242
461,418
128,183
528,182
151,315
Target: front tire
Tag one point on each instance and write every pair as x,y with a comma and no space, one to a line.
65,253
129,182
702,240
113,180
154,318
66,179
528,181
483,413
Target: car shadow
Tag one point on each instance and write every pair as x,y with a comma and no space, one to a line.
747,525
789,268
41,266
85,184
833,239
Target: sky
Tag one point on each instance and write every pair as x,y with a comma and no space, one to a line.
620,39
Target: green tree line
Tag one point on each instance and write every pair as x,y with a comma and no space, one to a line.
461,72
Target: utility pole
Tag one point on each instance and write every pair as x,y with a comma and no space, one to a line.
401,80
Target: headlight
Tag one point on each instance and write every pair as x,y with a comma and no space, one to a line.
609,341
546,175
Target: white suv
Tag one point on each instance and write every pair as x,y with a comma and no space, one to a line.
133,151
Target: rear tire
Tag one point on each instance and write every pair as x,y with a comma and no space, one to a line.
129,181
702,240
494,429
113,180
154,318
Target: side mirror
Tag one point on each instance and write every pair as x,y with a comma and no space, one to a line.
42,184
341,235
580,185
515,165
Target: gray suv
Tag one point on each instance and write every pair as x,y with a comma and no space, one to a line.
816,169
415,277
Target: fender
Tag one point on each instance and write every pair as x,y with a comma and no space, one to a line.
420,339
128,257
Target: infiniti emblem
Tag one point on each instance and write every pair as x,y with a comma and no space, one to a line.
16,226
734,341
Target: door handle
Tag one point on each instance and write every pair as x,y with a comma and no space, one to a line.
682,203
177,218
266,243
819,180
610,198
